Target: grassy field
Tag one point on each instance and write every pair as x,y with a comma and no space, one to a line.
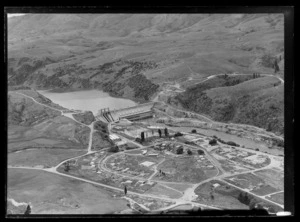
31,125
41,157
227,197
278,198
257,185
53,194
179,187
163,191
59,132
274,177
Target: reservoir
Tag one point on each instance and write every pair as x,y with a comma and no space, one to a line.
88,100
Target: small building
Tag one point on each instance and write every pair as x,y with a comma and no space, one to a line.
114,137
216,185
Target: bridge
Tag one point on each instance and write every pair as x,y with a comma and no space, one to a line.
131,113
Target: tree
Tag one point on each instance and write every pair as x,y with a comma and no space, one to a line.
125,190
189,152
179,150
28,210
194,131
276,67
142,136
159,132
166,132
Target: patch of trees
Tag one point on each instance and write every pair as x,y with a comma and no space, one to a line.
190,143
267,60
101,126
113,149
67,166
230,143
19,87
279,143
250,201
143,88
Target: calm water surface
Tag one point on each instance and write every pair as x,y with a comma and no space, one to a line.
88,100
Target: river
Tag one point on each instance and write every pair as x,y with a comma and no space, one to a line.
87,100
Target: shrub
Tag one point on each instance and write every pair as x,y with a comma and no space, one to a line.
178,134
114,149
213,142
138,140
194,131
189,152
179,150
200,152
256,149
230,143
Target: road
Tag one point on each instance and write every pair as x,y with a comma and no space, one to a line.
156,99
188,195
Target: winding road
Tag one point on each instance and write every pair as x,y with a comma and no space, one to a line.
156,99
187,197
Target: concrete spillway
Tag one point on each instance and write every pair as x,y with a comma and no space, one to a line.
131,113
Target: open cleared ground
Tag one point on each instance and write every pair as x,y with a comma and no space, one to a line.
41,157
179,187
53,194
184,170
278,198
163,191
252,183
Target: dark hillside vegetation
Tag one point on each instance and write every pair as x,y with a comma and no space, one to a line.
256,102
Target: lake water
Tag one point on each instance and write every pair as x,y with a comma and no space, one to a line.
88,100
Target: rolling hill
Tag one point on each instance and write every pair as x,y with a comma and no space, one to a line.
132,55
258,102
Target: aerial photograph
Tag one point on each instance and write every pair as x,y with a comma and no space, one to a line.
144,113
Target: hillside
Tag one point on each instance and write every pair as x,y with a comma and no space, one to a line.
258,102
31,125
121,53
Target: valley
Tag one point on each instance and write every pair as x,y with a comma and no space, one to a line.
205,127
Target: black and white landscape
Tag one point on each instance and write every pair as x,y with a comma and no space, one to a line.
144,113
